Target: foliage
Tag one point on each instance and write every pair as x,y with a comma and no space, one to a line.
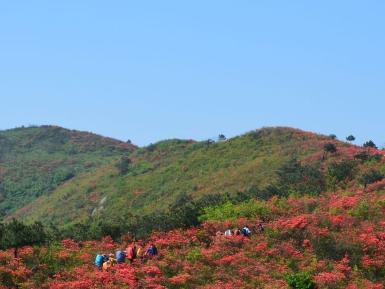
330,148
230,211
350,138
340,172
293,177
36,160
302,280
370,177
370,144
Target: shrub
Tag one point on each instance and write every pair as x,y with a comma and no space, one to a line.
301,280
370,177
350,138
330,148
123,165
339,172
230,211
296,178
370,144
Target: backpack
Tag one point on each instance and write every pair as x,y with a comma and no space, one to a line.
228,233
246,232
152,251
99,260
120,256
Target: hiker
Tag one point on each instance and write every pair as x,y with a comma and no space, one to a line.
139,252
120,256
131,253
99,260
109,263
246,231
236,232
152,251
228,233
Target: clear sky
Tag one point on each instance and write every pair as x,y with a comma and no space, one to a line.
150,70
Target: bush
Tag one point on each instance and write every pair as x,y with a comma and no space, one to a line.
301,280
340,172
230,211
370,144
370,177
365,211
296,178
330,148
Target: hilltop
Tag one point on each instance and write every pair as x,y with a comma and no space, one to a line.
34,161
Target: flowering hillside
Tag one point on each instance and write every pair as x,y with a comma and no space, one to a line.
336,240
318,222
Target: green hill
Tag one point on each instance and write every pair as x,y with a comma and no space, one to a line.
162,173
34,161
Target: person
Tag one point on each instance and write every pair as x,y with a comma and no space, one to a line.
139,252
152,251
110,262
237,232
99,260
228,233
218,233
120,256
131,253
246,231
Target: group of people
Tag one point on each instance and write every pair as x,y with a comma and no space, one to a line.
106,261
245,231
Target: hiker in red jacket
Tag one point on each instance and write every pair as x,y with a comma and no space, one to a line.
131,253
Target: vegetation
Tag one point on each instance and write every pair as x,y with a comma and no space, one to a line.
34,161
321,228
160,173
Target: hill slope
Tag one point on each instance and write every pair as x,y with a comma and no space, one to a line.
36,160
163,172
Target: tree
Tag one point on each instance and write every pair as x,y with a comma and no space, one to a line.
123,165
370,144
330,148
340,172
300,280
17,234
370,177
332,136
221,137
209,142
350,138
303,179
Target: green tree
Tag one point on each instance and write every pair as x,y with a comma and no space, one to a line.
340,172
221,137
330,148
370,177
17,234
301,280
370,144
123,165
297,178
350,138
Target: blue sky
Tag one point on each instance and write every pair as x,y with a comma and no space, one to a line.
150,70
